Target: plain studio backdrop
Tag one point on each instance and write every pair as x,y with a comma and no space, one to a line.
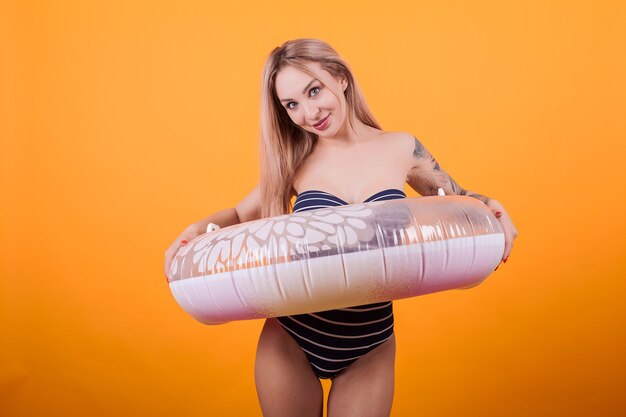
122,122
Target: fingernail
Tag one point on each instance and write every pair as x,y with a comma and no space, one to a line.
184,242
498,214
496,268
505,259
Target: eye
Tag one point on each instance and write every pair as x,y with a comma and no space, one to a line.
289,106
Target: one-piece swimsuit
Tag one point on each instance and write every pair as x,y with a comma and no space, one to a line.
334,339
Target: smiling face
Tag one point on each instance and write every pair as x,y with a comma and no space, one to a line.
314,103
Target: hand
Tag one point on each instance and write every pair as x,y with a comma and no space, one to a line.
510,232
182,239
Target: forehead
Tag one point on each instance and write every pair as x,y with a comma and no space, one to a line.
291,80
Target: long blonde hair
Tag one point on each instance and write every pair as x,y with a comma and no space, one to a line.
284,146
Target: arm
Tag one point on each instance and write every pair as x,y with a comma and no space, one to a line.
248,209
222,218
426,176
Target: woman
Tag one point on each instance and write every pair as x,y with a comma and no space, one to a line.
320,143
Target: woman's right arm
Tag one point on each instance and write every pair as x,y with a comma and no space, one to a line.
248,209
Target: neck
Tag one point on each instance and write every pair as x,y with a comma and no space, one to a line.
346,136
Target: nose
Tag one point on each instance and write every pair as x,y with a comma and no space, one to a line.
310,110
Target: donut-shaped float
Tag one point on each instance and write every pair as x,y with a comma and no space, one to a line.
336,257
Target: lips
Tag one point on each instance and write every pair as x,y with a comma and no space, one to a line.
322,123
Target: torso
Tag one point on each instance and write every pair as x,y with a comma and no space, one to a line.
373,170
356,172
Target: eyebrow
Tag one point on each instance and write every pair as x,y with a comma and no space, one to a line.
303,91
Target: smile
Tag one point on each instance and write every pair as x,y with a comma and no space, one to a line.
322,124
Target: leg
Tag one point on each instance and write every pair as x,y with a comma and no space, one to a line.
285,383
365,388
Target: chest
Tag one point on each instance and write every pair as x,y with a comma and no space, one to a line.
353,175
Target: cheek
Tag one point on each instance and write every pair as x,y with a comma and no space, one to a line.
333,101
295,118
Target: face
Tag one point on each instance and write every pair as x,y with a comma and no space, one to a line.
315,103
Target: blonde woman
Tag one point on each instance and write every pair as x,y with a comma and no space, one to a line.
320,143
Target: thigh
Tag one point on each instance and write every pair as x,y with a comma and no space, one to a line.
365,388
285,383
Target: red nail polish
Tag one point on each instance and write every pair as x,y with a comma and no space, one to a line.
496,268
498,214
184,242
505,259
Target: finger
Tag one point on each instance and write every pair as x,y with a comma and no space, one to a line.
169,258
508,248
508,244
167,270
507,251
507,240
511,226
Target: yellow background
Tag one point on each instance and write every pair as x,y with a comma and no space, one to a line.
123,122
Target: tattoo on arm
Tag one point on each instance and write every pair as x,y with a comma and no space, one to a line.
420,152
429,181
426,183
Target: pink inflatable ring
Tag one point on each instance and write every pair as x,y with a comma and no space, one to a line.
337,257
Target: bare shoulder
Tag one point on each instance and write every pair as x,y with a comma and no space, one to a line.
400,142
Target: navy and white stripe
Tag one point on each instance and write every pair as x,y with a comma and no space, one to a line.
334,339
313,199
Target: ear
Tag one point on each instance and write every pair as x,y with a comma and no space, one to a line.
344,82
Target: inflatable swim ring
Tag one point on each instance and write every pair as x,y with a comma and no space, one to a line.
336,257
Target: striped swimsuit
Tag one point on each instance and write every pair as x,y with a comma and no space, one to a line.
333,339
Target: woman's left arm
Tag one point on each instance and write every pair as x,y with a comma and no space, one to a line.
426,176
